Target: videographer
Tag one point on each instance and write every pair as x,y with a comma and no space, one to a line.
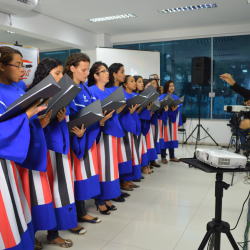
235,86
244,124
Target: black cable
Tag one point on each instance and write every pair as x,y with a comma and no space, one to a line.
241,212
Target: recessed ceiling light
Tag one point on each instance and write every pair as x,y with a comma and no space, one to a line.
111,18
190,7
10,31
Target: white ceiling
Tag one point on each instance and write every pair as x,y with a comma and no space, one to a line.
78,12
28,41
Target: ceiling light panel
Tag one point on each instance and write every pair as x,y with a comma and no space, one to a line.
111,18
189,8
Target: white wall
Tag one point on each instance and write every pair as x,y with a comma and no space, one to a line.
136,62
217,128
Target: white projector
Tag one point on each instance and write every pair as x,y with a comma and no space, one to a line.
220,158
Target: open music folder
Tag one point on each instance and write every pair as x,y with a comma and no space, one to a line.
87,116
114,101
69,90
42,91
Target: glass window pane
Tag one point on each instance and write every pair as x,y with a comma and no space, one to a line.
231,55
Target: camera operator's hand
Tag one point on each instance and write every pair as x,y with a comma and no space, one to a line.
227,78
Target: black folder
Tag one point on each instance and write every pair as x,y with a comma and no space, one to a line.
166,101
178,101
42,91
138,99
156,105
154,96
68,92
144,98
114,101
169,101
87,116
148,91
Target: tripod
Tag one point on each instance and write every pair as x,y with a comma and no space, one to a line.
199,126
217,226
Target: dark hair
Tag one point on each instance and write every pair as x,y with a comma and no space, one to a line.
74,60
137,77
94,70
114,68
166,86
6,54
145,81
43,69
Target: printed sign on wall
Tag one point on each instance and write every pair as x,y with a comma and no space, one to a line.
30,61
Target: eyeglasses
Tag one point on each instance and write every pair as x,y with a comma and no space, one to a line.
103,71
17,66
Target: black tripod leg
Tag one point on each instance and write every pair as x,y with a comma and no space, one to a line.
232,241
205,240
209,135
232,180
217,239
190,136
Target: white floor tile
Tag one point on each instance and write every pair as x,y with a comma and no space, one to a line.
169,211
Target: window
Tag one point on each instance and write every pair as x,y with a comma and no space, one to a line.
230,54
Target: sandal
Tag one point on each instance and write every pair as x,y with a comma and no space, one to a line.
65,244
79,231
93,221
38,245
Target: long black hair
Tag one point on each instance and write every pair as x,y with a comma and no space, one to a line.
138,77
43,69
166,86
94,70
114,68
125,80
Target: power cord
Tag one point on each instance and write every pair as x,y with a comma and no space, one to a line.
241,212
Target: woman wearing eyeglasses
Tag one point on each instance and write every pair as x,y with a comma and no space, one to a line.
107,145
23,148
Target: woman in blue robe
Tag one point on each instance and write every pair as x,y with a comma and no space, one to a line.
172,122
87,184
129,85
107,144
20,137
59,167
116,78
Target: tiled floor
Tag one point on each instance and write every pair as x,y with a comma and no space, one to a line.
169,211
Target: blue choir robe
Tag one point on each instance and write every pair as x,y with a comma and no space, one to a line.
128,126
132,122
107,148
15,139
175,120
84,149
58,143
36,155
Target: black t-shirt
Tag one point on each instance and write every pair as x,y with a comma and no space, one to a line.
241,91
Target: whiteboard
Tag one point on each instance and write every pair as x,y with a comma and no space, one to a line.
136,62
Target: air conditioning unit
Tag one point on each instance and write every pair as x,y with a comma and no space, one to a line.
17,7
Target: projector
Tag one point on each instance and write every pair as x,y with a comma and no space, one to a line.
219,158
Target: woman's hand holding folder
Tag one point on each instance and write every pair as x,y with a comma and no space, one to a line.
79,132
35,109
106,117
61,115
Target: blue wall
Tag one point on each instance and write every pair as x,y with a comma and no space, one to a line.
61,55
